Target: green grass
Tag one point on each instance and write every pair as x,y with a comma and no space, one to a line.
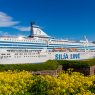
49,65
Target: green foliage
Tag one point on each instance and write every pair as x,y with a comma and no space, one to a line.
49,65
39,86
76,63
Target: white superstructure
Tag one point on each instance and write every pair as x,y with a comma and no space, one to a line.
39,47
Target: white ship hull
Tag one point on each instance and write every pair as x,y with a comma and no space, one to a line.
40,57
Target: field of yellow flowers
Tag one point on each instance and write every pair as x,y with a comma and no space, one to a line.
66,83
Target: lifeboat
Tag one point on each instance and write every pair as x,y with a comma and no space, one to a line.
73,49
60,49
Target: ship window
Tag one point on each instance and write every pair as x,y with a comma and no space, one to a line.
16,53
25,53
2,54
8,54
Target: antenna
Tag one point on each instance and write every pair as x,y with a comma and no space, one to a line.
86,39
86,43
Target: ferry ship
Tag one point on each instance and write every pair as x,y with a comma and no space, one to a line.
38,47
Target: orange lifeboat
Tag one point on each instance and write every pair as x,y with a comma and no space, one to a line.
64,49
57,49
73,49
60,49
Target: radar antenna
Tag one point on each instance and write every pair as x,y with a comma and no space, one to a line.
86,39
86,42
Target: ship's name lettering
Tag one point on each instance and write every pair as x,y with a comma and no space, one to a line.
67,56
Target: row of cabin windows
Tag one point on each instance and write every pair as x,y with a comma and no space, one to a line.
20,54
30,56
22,51
27,53
1,57
30,41
4,54
22,40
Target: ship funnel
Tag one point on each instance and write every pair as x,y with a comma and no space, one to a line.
31,31
36,31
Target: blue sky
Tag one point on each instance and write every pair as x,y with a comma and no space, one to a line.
72,19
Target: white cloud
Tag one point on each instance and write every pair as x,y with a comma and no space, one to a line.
2,33
6,21
22,28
